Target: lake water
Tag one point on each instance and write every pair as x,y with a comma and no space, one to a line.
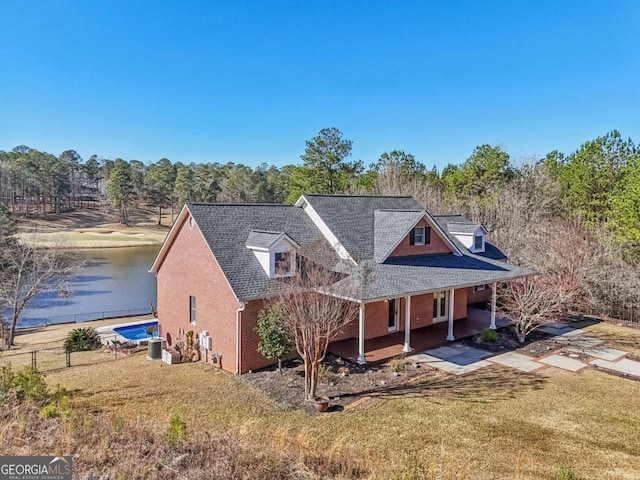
113,282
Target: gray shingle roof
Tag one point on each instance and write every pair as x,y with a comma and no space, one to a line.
390,227
351,218
262,239
401,276
468,228
226,227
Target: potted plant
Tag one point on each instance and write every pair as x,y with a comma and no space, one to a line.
321,403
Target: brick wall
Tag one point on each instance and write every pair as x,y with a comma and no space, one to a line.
189,269
436,245
481,296
250,358
460,303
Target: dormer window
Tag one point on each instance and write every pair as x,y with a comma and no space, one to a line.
420,236
471,235
275,251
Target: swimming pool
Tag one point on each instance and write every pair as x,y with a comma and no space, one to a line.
137,332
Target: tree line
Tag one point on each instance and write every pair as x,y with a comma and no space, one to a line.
598,183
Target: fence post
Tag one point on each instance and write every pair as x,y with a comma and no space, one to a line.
68,359
34,364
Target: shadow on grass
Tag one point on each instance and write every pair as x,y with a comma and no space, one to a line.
484,386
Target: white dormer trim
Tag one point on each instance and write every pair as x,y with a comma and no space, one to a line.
324,229
267,256
434,225
468,239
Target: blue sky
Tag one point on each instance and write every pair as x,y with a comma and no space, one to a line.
249,82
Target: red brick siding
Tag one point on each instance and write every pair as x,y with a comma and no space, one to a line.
421,311
250,358
477,297
437,245
189,268
460,304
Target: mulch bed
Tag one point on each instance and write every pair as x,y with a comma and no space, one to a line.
537,344
342,381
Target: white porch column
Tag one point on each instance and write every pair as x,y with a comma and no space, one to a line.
450,336
493,306
407,325
361,359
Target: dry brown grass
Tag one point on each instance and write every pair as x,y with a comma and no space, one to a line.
495,423
616,336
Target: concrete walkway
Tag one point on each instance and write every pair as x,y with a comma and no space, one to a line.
461,359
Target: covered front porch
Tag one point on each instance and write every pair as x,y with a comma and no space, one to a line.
420,339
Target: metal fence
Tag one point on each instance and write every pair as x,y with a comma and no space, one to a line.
52,359
82,317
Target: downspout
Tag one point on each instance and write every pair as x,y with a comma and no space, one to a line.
238,337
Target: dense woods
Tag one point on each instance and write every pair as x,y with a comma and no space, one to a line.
574,217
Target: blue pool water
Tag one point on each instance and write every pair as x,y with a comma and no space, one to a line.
137,332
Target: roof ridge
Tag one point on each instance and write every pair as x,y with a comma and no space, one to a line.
353,196
239,204
397,210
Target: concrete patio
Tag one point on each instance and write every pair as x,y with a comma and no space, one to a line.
389,346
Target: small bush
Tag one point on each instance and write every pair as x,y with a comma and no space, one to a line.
490,336
59,407
82,339
565,473
29,384
177,430
397,365
325,373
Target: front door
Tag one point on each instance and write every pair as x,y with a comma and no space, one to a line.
394,313
439,307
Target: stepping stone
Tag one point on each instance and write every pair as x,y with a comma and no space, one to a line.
449,367
517,361
472,352
603,353
565,363
625,365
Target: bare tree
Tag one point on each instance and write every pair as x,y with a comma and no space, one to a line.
567,259
531,303
28,270
314,312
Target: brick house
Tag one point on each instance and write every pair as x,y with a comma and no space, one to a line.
220,261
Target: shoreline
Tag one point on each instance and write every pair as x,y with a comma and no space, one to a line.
94,238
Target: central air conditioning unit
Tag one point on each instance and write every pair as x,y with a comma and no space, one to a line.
155,347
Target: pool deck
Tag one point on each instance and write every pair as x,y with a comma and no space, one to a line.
108,334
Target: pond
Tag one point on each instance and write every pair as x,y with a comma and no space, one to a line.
113,282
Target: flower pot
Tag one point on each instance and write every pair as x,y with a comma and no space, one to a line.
321,403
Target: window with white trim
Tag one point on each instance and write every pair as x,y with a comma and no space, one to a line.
192,309
479,288
420,236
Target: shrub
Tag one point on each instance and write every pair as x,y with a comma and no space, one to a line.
274,341
490,336
82,339
325,373
29,384
565,473
177,430
397,365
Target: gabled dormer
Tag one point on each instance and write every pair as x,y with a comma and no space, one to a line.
471,235
276,252
399,233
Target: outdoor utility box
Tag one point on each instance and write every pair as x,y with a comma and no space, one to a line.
154,348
